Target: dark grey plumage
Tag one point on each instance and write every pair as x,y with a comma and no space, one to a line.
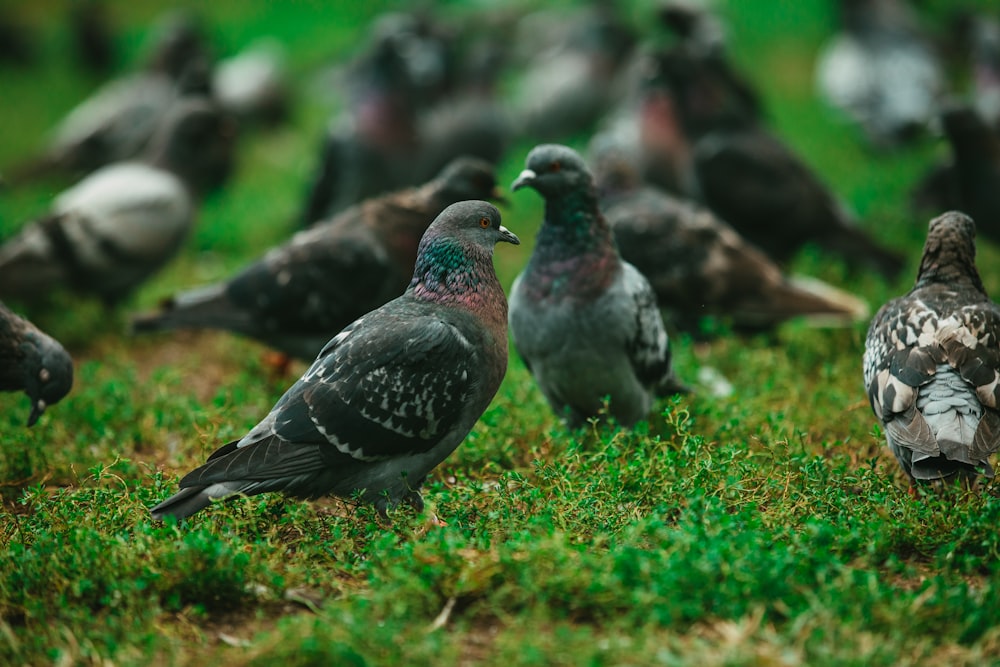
700,266
932,362
584,321
758,185
390,396
119,225
301,293
33,362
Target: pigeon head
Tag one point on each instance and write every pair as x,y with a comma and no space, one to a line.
196,141
469,178
48,372
554,171
950,252
456,252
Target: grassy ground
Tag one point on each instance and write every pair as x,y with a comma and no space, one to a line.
767,528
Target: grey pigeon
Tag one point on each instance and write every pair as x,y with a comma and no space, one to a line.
301,293
700,266
584,321
390,396
34,362
567,87
932,362
117,122
758,185
119,225
881,71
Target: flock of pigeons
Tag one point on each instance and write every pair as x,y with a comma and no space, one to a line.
685,205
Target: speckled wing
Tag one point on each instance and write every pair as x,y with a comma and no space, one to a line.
384,387
647,345
907,345
319,281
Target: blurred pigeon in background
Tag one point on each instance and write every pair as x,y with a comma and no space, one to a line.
567,86
117,122
584,321
932,362
767,193
253,85
881,70
301,293
117,227
390,396
698,265
34,362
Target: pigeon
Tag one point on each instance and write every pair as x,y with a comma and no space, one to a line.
118,121
768,194
370,148
932,362
584,321
301,293
567,88
747,176
881,71
697,264
119,225
390,396
34,362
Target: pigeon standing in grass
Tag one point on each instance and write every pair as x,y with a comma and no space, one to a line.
584,321
700,266
390,396
932,362
34,362
301,293
118,226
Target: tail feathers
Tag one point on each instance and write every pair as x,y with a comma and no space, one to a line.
194,499
934,468
820,303
203,308
860,250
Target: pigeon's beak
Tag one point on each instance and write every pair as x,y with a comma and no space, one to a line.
37,408
498,196
526,177
508,236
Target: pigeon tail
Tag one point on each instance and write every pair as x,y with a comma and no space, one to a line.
203,308
819,303
182,504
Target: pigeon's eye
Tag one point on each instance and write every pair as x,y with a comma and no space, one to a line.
555,167
484,222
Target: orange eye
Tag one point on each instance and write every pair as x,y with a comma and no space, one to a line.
555,167
484,222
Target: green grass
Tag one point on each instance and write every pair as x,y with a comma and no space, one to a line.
768,528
